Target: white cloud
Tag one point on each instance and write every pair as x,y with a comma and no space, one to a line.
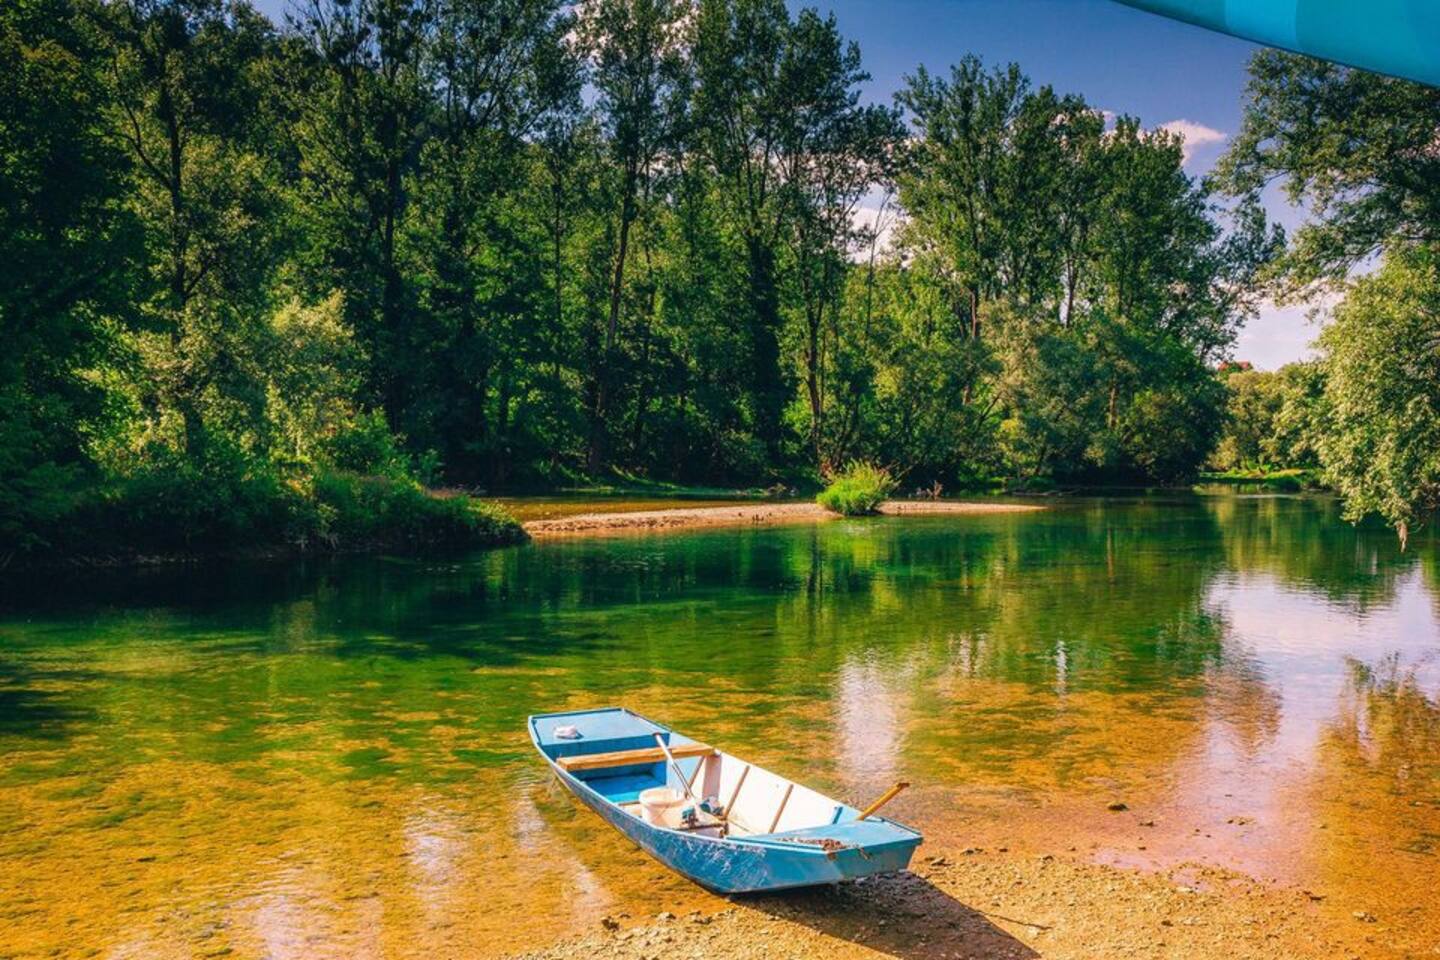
1278,335
1195,135
877,213
879,222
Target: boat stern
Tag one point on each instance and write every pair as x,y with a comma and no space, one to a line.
833,853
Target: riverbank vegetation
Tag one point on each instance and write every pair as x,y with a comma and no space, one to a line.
1272,419
1357,149
513,244
857,490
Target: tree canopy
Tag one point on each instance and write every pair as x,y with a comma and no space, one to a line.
510,244
1358,151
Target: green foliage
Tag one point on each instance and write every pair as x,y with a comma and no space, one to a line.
311,377
1356,149
369,510
1353,147
857,490
1169,429
272,278
66,248
1291,480
1381,445
1271,419
177,507
1052,389
1077,271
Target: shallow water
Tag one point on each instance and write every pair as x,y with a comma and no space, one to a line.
329,760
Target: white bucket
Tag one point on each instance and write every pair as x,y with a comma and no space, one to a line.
661,806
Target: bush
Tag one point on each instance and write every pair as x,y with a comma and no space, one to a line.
857,490
352,511
366,445
173,506
180,511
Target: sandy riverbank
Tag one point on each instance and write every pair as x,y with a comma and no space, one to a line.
746,514
988,905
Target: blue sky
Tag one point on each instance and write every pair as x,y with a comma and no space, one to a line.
1121,59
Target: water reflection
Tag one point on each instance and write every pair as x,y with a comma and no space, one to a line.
329,759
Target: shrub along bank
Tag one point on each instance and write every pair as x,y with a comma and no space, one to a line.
181,513
857,490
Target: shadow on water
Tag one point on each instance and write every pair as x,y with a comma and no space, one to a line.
27,709
900,915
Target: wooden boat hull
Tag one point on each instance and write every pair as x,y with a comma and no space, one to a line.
750,864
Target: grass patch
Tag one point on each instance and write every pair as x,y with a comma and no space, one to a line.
1292,480
857,490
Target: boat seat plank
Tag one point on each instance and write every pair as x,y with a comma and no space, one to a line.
625,758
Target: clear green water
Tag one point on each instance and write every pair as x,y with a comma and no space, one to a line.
298,761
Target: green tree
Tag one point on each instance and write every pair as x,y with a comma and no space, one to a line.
360,102
1270,418
1357,149
638,75
1381,443
902,377
482,298
187,81
833,151
956,193
67,252
1089,276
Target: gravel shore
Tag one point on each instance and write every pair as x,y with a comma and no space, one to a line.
976,904
746,514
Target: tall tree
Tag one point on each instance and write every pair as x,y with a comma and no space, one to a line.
1355,148
780,126
1358,150
498,72
67,252
186,86
955,194
636,46
1381,442
362,105
739,48
1082,264
832,152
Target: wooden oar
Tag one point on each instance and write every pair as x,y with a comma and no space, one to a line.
885,798
680,774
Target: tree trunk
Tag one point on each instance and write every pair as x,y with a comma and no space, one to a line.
390,295
766,380
627,215
596,456
182,383
812,382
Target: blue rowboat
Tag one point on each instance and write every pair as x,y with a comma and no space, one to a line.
737,829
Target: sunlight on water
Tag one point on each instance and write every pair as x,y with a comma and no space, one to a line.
330,760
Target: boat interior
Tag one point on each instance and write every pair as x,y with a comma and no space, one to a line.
617,754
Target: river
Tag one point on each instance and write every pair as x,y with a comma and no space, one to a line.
329,759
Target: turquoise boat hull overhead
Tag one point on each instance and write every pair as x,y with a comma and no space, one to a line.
751,831
1398,37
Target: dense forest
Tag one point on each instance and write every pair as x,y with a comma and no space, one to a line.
276,280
